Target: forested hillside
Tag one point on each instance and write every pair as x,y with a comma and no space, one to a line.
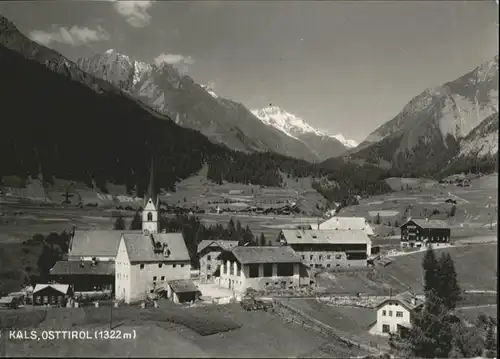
61,128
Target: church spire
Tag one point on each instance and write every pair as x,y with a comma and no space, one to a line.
151,188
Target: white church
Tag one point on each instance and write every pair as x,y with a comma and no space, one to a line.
146,262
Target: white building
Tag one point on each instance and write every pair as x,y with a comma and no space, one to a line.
208,253
261,268
394,314
347,224
322,249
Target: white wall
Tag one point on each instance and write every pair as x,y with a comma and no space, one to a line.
122,274
142,279
240,283
213,262
393,320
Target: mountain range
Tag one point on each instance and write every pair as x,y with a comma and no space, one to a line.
81,127
437,127
197,106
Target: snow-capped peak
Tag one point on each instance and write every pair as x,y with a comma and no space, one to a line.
284,121
210,90
344,141
294,126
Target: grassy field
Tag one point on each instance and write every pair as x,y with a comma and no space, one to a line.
476,268
260,335
349,322
475,208
471,313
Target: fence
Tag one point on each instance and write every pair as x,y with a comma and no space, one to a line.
290,314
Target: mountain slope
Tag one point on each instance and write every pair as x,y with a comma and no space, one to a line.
426,133
192,105
322,144
89,131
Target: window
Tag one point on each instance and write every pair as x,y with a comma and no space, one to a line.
160,265
390,313
209,258
399,314
285,269
311,257
328,257
338,256
150,216
162,277
209,267
253,270
384,313
151,291
303,257
154,278
231,268
141,266
328,265
320,257
386,328
268,269
182,265
174,265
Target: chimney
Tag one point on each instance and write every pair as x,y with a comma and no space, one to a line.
413,301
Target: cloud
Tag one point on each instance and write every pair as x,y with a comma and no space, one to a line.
135,12
75,36
173,59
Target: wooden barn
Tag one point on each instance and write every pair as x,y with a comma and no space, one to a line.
416,232
51,294
85,276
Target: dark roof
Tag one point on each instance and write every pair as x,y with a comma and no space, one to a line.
140,247
406,299
248,255
428,223
96,243
182,286
83,268
225,245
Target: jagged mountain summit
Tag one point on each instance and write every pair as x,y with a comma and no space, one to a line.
195,106
428,132
324,144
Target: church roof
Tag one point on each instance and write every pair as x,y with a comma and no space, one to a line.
96,243
140,247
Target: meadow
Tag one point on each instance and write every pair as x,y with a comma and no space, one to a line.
260,334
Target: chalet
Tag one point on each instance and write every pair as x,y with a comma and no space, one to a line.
261,268
85,276
394,314
208,251
328,248
416,232
347,224
51,294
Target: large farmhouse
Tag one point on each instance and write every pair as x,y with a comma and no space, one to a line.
208,252
347,224
328,248
416,232
261,268
394,314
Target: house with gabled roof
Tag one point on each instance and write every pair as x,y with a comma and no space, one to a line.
323,249
347,224
261,268
145,263
394,314
208,252
418,232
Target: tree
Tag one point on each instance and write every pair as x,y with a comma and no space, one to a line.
136,223
262,240
377,219
491,341
453,211
449,289
467,342
430,266
119,223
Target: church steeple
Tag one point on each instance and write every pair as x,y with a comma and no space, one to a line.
151,205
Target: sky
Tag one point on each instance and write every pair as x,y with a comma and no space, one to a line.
345,67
